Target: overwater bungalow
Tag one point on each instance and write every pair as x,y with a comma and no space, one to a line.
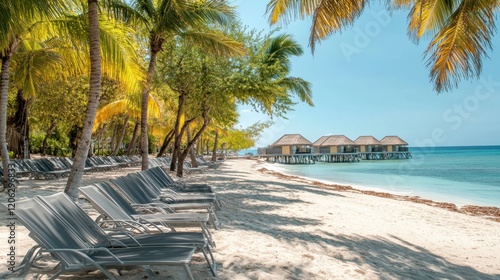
368,144
394,144
290,148
394,147
335,148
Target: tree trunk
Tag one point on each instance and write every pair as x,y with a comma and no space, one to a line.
214,151
112,141
177,133
131,145
76,174
155,48
192,154
4,94
166,141
19,145
190,144
122,134
207,147
47,135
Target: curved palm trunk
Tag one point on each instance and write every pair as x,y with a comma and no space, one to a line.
131,145
122,134
155,48
4,93
76,174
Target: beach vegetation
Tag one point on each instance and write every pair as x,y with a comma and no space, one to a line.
460,31
74,79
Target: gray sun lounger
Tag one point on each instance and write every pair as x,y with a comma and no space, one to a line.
165,181
65,209
114,209
138,194
75,254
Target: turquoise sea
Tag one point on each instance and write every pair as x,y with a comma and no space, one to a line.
461,175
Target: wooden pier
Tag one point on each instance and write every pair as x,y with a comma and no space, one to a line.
339,157
385,155
291,159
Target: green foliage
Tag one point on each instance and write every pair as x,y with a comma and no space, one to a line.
59,102
57,144
152,144
240,139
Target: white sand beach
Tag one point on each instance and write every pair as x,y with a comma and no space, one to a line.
277,227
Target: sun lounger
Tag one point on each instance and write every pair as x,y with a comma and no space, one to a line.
75,254
113,208
140,195
65,209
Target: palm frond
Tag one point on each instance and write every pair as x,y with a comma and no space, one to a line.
429,16
126,106
280,49
332,16
300,87
215,42
119,55
133,14
33,68
108,112
285,11
145,7
459,48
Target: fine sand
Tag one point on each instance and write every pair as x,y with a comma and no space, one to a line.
281,227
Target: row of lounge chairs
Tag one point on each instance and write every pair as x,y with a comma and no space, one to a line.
140,215
187,166
53,168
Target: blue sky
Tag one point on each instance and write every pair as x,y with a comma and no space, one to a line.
372,80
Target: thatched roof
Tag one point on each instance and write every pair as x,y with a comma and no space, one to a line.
393,140
335,140
320,141
291,140
367,140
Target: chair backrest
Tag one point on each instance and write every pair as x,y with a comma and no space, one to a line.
75,218
134,193
161,175
48,231
103,205
116,197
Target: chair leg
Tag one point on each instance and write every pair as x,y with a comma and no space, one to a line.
188,271
212,264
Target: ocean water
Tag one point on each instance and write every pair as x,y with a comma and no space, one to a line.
461,175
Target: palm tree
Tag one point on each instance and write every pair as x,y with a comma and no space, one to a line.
461,30
17,18
130,108
77,169
164,19
119,53
279,52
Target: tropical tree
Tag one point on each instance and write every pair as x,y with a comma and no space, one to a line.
119,57
461,30
162,20
17,19
130,108
209,87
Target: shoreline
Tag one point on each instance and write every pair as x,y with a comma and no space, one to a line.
488,212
